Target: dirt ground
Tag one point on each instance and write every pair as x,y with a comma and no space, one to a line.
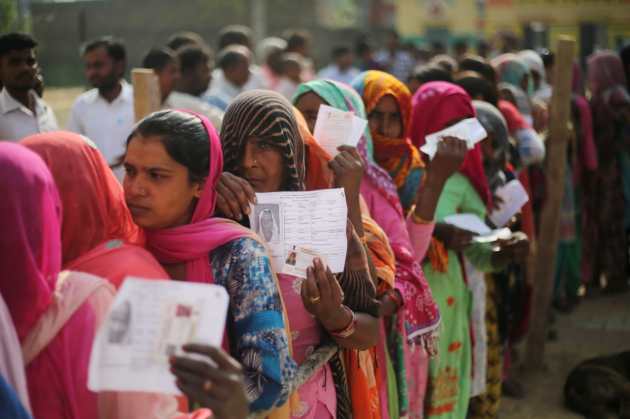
600,325
61,100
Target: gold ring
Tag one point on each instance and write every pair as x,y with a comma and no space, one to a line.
207,386
315,300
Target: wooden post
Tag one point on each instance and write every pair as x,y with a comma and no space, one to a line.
555,167
146,92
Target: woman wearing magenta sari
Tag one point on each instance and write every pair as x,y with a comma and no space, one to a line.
172,164
56,353
436,106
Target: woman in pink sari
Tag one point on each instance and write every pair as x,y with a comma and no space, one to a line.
56,356
98,234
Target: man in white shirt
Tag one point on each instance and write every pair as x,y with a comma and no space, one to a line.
105,114
164,62
234,64
342,69
394,59
22,111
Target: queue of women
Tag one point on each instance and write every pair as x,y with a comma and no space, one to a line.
402,313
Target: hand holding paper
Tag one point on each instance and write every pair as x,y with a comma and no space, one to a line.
469,130
335,128
149,321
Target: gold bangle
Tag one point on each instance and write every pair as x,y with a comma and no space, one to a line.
419,220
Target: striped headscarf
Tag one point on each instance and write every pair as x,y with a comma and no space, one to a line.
265,114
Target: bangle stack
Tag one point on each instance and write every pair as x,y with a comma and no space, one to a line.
347,331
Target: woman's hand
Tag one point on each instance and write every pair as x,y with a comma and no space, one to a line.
514,249
234,196
448,159
217,384
390,303
454,238
348,169
323,298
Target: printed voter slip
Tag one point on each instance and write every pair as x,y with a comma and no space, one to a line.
469,130
314,220
148,322
334,128
298,260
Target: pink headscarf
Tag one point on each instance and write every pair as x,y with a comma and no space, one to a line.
192,243
30,242
436,104
11,361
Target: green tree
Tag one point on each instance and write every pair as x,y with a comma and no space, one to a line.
8,15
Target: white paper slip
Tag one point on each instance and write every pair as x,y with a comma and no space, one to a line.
469,130
514,196
314,219
334,128
148,322
495,235
298,260
468,222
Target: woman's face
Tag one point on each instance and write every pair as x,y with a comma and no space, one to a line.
385,118
487,147
309,104
158,191
262,165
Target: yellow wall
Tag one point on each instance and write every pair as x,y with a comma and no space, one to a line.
561,16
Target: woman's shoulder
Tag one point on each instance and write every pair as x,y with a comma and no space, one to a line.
242,248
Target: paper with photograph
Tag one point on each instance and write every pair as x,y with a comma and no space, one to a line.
315,220
299,259
148,322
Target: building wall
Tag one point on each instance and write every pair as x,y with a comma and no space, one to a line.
561,16
62,28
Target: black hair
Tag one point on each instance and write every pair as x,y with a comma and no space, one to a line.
296,39
157,58
393,33
184,137
115,48
235,35
183,39
16,41
231,56
479,86
460,44
547,56
479,65
361,47
191,56
340,51
431,72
